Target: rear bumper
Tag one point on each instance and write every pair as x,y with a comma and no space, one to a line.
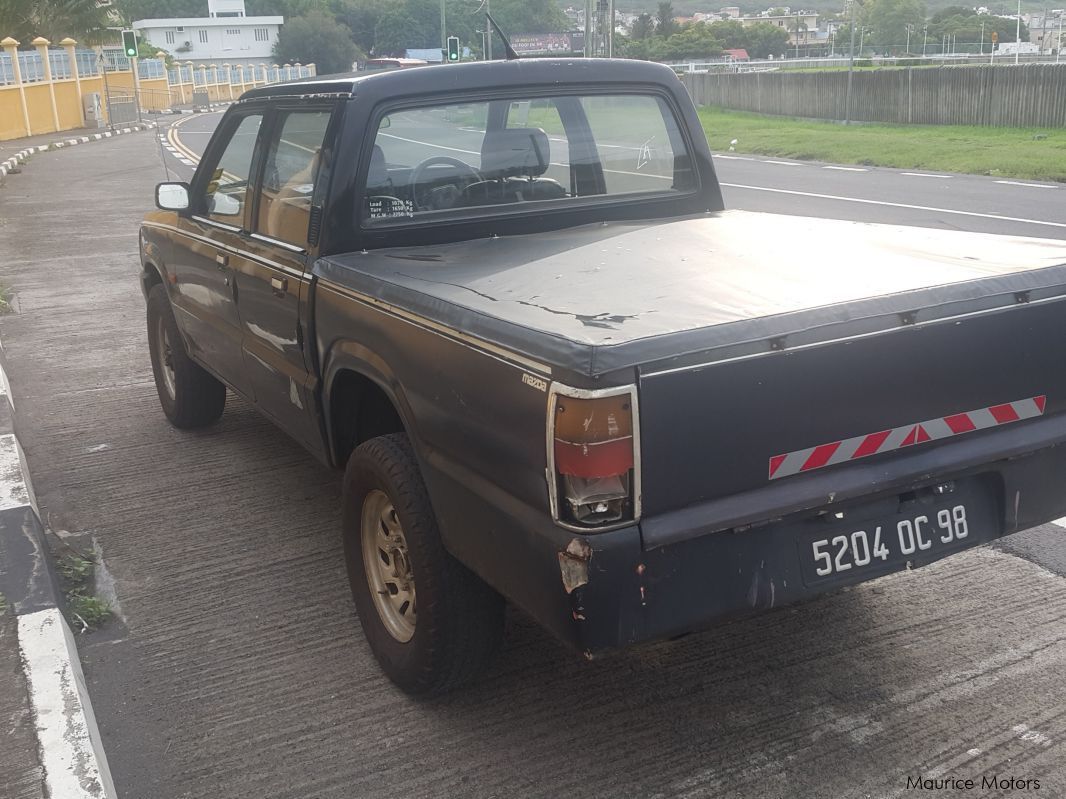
696,582
610,590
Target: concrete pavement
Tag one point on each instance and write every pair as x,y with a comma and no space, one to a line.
236,668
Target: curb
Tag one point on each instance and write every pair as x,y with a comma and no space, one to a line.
69,746
200,109
22,156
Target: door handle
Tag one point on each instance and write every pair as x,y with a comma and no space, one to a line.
279,285
222,260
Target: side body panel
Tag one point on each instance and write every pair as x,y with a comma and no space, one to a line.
478,429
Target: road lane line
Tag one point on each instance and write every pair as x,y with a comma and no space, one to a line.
926,175
1029,185
847,168
897,205
1060,522
783,163
733,157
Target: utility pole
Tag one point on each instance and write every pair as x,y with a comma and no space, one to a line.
851,66
1058,48
907,49
1018,35
926,40
982,37
443,34
488,34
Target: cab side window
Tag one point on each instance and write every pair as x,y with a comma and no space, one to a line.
292,167
226,192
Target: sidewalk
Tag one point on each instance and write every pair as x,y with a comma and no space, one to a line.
15,152
49,742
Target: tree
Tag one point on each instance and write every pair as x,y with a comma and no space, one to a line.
888,20
665,24
54,20
319,39
643,27
392,34
765,40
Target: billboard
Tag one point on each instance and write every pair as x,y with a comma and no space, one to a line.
547,43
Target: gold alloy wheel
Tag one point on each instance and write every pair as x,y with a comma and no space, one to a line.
388,570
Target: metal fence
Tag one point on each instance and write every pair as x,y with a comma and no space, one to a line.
1026,95
31,65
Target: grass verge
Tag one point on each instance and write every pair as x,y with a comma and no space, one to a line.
1028,153
5,300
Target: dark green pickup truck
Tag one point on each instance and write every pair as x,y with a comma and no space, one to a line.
506,300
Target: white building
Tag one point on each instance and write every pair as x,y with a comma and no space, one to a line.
225,36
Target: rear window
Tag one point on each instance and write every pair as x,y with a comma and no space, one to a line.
457,158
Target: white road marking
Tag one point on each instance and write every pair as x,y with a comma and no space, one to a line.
926,175
187,162
847,168
1060,522
1029,185
733,157
75,766
783,163
897,205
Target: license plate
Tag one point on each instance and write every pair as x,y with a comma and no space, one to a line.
918,533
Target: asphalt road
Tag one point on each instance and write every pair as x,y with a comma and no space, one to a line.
864,194
237,669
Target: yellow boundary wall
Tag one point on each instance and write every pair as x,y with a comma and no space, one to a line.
55,104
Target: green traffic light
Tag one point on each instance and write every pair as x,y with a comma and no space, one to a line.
129,43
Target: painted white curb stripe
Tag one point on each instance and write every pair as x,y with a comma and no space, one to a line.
13,490
74,762
1060,522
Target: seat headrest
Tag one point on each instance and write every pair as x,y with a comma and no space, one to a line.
515,151
378,174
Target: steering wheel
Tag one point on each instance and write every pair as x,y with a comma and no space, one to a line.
448,188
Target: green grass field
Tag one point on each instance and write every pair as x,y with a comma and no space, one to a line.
1028,153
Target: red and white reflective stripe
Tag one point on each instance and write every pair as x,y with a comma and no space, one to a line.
850,449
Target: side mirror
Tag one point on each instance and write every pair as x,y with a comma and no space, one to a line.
172,196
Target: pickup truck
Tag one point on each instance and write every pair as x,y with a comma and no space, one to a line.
506,300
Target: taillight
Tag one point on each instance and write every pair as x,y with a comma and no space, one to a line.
593,440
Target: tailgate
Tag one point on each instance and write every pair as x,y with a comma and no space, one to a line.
737,440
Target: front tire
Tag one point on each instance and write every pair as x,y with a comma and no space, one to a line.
190,396
432,624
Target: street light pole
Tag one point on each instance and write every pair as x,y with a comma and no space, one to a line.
982,38
925,41
443,34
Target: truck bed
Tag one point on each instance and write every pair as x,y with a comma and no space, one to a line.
600,298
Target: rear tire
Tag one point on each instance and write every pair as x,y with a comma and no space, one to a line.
190,396
445,637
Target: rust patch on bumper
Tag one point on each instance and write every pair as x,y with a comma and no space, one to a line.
574,564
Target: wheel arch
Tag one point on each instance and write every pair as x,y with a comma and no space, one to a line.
362,399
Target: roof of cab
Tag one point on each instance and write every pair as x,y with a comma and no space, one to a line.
477,75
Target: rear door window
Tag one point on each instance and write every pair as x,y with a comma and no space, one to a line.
290,173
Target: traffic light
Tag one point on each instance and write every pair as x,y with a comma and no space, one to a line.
453,48
129,44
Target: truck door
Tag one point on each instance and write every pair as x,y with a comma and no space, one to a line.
210,239
273,281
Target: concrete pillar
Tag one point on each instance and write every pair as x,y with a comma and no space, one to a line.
277,72
313,68
70,45
191,66
11,48
41,44
228,74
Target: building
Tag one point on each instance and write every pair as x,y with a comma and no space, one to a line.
802,26
225,36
